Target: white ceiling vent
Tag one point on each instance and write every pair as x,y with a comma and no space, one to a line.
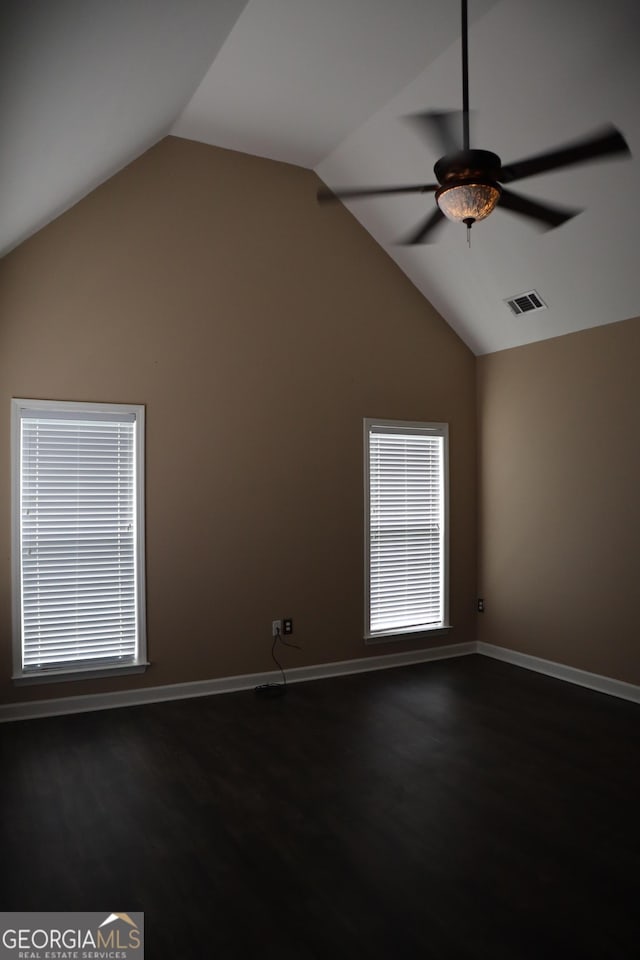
526,303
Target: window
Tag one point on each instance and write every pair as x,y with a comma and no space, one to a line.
78,539
406,527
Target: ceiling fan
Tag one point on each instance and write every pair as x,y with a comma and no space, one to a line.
470,181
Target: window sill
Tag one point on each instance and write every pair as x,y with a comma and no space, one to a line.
416,635
91,673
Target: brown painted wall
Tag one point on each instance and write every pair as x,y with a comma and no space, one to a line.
259,329
560,499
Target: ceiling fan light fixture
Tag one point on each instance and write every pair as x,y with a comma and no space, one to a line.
468,202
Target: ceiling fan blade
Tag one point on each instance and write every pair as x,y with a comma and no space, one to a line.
441,127
325,195
421,234
551,216
605,143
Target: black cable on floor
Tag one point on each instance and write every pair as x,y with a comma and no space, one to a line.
275,689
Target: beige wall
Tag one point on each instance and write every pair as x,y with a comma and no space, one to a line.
259,329
560,499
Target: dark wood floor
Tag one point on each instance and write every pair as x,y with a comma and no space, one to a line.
460,809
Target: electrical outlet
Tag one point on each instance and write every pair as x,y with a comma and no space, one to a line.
276,627
287,626
480,605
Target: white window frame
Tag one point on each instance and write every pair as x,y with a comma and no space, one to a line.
77,670
408,427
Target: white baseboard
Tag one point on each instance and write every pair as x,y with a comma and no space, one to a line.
594,681
206,688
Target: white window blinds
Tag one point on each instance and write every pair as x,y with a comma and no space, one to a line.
406,527
78,537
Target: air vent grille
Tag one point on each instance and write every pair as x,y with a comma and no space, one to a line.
526,303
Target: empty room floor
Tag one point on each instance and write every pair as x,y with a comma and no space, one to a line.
457,809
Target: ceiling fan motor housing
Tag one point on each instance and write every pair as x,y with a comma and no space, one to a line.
468,166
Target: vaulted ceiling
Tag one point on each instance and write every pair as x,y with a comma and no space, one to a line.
86,86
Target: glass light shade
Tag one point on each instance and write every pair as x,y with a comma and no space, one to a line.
468,201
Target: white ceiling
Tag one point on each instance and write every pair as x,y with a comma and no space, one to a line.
85,86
